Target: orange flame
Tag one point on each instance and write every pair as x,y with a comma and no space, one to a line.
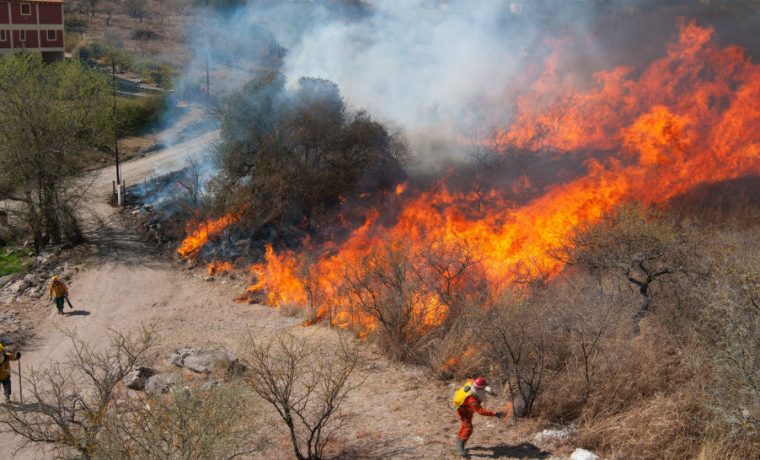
199,235
692,117
217,267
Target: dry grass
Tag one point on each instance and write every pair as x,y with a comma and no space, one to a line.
659,427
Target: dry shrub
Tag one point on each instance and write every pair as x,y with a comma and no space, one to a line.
726,345
660,427
222,422
458,353
306,381
416,300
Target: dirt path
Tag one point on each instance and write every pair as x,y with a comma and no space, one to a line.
122,285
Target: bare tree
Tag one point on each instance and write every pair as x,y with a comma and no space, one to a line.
136,8
306,384
68,402
92,6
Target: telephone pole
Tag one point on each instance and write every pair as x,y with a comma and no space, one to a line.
115,132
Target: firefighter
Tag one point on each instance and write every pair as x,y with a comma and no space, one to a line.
5,370
468,401
58,292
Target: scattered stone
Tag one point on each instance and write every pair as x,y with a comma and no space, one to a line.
161,383
583,454
554,435
5,280
137,378
210,385
209,278
19,287
204,362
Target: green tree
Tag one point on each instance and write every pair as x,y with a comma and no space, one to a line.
48,115
289,154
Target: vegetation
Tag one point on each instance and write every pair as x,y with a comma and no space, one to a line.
79,406
149,69
286,156
306,383
654,323
135,115
48,115
11,262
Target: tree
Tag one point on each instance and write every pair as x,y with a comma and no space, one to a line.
48,115
650,252
287,155
136,8
68,402
92,6
306,383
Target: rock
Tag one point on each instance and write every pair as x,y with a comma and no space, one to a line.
583,454
178,355
137,378
554,435
5,280
210,385
161,383
204,362
19,286
209,278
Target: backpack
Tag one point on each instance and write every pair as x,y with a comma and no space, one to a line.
462,393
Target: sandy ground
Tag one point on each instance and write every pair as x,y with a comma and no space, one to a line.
400,411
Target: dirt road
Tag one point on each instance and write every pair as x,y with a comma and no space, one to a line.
122,285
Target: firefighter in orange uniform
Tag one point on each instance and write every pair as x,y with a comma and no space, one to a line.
468,401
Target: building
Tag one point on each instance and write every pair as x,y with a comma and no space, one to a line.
35,25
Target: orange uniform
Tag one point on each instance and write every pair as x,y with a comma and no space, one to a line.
466,411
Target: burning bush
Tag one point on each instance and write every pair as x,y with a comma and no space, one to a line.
291,155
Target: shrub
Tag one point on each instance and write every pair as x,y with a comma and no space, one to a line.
75,24
144,34
10,263
217,423
137,115
306,383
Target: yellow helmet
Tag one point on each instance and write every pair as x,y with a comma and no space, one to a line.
2,348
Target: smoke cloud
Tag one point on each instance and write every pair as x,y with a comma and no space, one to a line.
445,71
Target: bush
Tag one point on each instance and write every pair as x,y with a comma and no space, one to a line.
306,383
135,116
287,156
219,422
10,263
75,24
144,34
153,71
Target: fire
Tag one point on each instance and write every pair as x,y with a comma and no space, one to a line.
217,267
199,234
454,361
691,117
280,277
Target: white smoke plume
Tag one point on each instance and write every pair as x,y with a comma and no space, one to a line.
441,70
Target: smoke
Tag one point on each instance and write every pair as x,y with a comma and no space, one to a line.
443,71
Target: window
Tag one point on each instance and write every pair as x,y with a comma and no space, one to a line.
26,9
22,35
3,35
52,35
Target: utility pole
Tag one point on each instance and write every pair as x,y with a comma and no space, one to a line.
115,131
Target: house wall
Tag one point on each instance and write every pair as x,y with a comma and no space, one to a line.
41,18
